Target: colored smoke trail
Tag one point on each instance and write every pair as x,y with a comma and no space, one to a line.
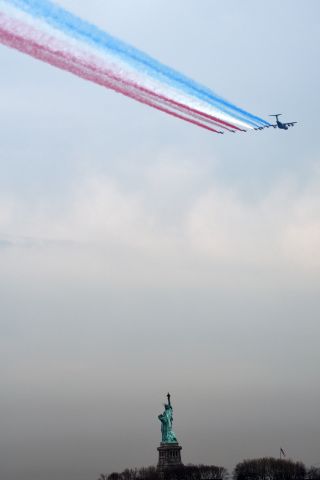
51,34
64,62
82,30
82,58
57,55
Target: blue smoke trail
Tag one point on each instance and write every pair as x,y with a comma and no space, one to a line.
80,29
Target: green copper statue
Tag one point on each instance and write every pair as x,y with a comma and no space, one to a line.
166,419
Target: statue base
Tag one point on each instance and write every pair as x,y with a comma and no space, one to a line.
169,456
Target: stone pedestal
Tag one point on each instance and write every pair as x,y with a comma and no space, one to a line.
169,456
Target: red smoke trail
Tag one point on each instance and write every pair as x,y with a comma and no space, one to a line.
65,62
168,101
41,53
146,93
159,97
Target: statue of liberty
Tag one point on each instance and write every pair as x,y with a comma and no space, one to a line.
166,419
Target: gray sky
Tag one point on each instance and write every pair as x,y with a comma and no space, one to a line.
139,254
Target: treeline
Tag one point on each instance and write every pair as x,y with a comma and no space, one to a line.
313,473
182,472
267,468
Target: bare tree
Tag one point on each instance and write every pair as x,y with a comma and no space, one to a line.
269,468
181,472
313,473
114,476
195,472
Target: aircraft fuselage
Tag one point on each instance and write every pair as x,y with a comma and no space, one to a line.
282,126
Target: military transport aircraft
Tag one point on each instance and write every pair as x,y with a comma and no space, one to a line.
283,126
278,124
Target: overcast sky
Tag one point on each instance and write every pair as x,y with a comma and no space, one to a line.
141,255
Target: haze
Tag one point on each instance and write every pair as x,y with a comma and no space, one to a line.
141,255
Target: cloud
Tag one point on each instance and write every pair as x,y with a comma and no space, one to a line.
216,225
283,228
6,211
301,235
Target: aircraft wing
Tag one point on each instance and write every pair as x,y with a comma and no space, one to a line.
290,124
275,125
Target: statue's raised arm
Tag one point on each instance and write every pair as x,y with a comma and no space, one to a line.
166,419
